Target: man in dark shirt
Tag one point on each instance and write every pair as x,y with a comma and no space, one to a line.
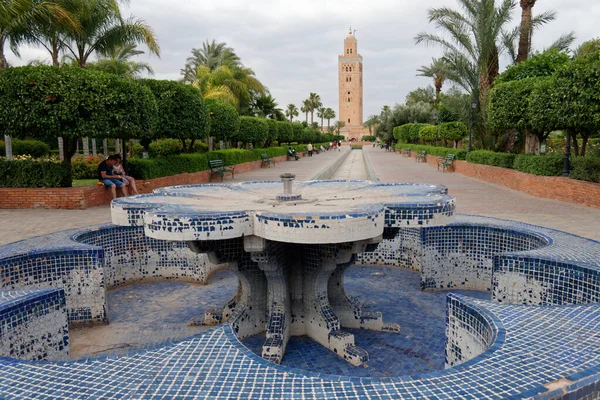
106,176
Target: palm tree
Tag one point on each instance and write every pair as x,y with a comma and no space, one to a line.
211,55
314,101
305,108
321,114
339,125
473,46
265,106
18,17
118,62
103,29
371,123
291,112
512,39
436,70
525,30
329,115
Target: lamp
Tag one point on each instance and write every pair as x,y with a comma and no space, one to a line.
473,108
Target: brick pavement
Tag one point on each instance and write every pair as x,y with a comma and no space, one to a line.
480,198
17,224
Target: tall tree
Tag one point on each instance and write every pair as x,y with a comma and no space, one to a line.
526,30
321,114
118,62
371,123
314,101
18,17
473,45
329,115
291,112
265,106
306,108
103,28
338,126
212,55
436,70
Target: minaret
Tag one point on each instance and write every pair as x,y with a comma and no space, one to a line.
350,66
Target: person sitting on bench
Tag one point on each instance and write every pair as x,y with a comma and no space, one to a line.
108,178
292,153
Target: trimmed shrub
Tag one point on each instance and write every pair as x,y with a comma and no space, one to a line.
585,169
224,120
460,154
34,148
429,134
454,131
33,174
85,167
252,130
545,165
165,147
200,147
504,160
402,133
288,132
272,134
369,138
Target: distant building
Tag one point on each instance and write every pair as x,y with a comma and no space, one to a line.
350,74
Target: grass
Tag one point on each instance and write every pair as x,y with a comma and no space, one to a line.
84,182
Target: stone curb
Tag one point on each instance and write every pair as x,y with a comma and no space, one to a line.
370,171
329,170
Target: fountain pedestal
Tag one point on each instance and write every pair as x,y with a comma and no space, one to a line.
289,251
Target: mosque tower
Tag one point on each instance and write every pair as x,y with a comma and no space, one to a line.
350,72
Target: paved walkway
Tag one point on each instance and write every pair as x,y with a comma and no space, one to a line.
481,198
21,224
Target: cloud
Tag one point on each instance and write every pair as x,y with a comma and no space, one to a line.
293,45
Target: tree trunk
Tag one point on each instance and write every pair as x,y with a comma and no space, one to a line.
532,142
525,34
438,90
574,143
584,141
55,62
8,147
191,149
3,62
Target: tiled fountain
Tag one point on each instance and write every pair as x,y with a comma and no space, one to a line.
289,245
289,249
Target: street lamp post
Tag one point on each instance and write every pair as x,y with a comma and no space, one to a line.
473,108
567,156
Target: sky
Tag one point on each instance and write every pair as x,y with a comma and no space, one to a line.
293,45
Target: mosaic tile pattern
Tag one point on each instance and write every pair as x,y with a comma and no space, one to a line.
33,325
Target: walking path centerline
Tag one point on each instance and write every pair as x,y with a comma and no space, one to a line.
482,198
472,197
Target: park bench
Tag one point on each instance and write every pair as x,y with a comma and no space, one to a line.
406,152
218,167
266,160
446,163
421,156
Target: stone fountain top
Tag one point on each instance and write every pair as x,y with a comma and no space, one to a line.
324,212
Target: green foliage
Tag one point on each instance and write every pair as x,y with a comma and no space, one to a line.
182,113
402,133
85,167
429,134
370,138
224,120
34,148
545,108
288,132
543,64
504,160
200,147
252,130
452,131
460,154
545,165
508,104
272,135
585,169
33,174
165,147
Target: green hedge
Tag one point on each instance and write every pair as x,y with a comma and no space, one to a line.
585,169
34,148
369,138
546,165
33,174
504,160
459,154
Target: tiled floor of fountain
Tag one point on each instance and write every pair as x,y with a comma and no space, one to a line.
156,313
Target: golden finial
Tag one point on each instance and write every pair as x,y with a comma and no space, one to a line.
350,32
